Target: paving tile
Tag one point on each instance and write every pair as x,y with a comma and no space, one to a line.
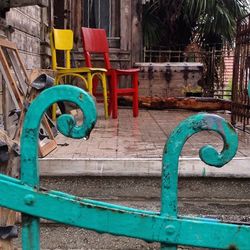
142,137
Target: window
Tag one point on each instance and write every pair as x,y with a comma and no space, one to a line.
104,14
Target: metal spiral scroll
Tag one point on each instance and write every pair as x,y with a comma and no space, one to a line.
29,142
66,123
208,154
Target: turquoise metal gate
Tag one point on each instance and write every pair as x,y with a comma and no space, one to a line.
165,226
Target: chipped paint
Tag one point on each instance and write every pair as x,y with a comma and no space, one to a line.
165,226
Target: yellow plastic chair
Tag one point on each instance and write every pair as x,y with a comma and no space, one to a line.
62,40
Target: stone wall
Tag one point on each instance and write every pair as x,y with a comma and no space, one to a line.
26,23
28,27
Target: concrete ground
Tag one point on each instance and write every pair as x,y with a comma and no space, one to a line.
129,145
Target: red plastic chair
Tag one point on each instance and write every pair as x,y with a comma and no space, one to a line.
95,42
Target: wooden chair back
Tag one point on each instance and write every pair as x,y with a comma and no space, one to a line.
95,42
61,40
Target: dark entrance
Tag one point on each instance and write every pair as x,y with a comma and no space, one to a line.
59,14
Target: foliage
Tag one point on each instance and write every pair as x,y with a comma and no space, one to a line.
168,23
192,89
151,24
215,20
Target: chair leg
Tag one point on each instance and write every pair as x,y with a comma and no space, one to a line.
135,96
114,96
115,107
105,97
89,82
110,105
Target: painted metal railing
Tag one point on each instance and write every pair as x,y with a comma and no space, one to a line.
165,226
217,66
241,75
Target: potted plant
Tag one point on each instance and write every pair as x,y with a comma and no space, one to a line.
194,91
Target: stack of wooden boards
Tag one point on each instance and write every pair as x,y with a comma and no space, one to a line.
16,80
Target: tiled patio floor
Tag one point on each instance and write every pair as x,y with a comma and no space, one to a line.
141,137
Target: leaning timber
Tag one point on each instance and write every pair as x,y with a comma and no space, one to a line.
190,103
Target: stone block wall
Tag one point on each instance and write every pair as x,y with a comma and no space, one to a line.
28,28
26,23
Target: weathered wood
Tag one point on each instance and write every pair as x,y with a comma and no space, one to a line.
18,3
169,79
34,73
11,168
13,71
115,19
192,103
23,69
9,80
77,20
125,42
46,145
30,25
26,33
18,67
9,122
136,40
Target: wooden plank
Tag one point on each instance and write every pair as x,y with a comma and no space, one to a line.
27,44
115,19
8,217
45,149
10,48
4,102
125,25
14,92
19,95
27,80
18,3
47,127
8,104
77,20
18,72
6,43
19,125
192,103
136,41
46,145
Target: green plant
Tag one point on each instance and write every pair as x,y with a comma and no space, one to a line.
192,89
228,90
215,21
151,24
176,23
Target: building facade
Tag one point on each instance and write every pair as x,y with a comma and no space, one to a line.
28,23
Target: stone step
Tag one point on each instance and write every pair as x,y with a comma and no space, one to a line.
188,166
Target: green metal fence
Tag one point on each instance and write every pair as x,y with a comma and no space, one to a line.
166,226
